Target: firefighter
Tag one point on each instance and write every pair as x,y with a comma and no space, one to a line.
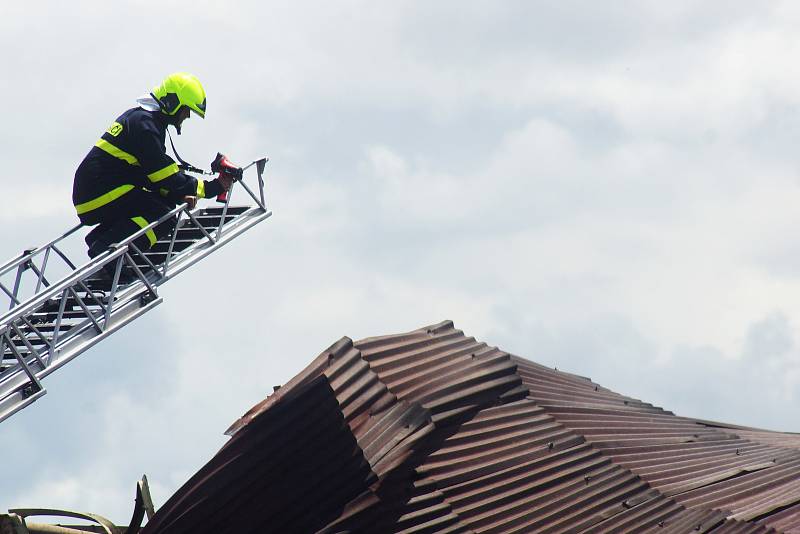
128,181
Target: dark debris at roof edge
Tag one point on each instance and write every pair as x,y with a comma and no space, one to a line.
432,431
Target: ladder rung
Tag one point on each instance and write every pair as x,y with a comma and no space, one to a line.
33,340
232,210
104,284
191,233
48,327
163,246
211,222
156,257
52,306
49,317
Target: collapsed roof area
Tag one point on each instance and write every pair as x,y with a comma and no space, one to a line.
433,431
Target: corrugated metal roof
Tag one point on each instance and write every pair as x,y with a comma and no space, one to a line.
433,431
749,473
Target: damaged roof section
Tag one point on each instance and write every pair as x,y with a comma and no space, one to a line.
434,431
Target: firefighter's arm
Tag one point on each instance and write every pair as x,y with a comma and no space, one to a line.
163,173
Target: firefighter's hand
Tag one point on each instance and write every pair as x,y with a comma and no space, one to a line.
225,180
191,201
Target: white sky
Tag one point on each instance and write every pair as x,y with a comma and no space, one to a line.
606,187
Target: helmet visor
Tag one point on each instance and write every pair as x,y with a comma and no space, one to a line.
200,109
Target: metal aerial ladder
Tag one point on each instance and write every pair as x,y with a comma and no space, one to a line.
59,308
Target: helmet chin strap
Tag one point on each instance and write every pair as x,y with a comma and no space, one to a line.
171,119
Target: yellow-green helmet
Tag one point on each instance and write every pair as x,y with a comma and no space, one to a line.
181,89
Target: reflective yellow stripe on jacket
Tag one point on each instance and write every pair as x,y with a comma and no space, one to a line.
201,188
108,148
102,200
161,174
142,222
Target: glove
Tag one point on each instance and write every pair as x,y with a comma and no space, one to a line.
191,201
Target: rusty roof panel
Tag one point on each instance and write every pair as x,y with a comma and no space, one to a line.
786,519
778,439
297,452
439,368
434,431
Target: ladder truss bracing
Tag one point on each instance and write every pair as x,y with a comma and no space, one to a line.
59,308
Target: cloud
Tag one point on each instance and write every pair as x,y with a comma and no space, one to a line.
29,203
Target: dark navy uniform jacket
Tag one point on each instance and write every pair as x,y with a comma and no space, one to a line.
131,154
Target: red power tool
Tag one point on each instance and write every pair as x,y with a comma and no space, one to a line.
228,169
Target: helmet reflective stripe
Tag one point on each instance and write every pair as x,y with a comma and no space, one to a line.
178,90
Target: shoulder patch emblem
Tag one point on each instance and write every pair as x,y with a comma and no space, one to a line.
115,129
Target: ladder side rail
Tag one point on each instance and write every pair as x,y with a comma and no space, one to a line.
26,256
26,400
84,271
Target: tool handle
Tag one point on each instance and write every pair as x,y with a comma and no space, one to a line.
223,165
